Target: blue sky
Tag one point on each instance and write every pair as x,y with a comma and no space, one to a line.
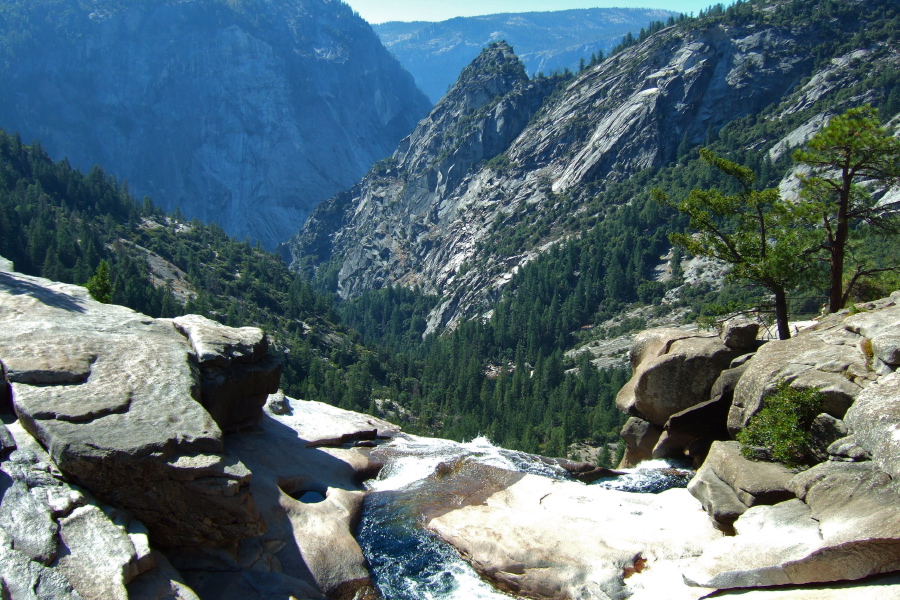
380,11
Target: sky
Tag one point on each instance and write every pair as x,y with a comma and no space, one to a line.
381,11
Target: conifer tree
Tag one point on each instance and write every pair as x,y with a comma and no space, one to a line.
853,147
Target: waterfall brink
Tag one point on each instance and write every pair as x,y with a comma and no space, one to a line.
407,561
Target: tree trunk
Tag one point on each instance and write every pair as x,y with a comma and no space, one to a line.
841,233
781,314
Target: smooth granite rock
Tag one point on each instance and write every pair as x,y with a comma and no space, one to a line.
827,358
740,333
673,370
874,420
309,497
843,525
692,431
540,538
754,482
133,432
718,499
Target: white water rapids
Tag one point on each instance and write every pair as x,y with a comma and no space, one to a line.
410,563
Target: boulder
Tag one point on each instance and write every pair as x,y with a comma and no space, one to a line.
754,482
237,373
27,518
718,499
693,430
132,431
740,334
846,449
843,526
673,370
825,431
874,419
827,358
640,437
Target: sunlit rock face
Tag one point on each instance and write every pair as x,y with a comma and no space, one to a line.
426,217
245,113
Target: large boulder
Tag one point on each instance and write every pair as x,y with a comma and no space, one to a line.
717,498
692,431
237,373
113,397
740,334
827,358
640,437
673,370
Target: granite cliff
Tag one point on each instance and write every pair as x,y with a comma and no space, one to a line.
246,114
556,157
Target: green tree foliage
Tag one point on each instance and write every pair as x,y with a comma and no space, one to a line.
100,286
853,147
753,231
782,427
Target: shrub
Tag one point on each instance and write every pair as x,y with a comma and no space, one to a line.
782,427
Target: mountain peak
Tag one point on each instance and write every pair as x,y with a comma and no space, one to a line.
494,72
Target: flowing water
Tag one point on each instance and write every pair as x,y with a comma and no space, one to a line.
410,563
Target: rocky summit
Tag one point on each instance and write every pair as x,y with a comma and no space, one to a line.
245,113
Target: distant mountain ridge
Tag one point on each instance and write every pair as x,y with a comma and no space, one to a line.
435,53
244,113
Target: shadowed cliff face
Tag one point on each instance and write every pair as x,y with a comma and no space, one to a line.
244,113
426,217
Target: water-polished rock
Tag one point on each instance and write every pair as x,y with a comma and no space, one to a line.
557,539
113,397
718,499
640,437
